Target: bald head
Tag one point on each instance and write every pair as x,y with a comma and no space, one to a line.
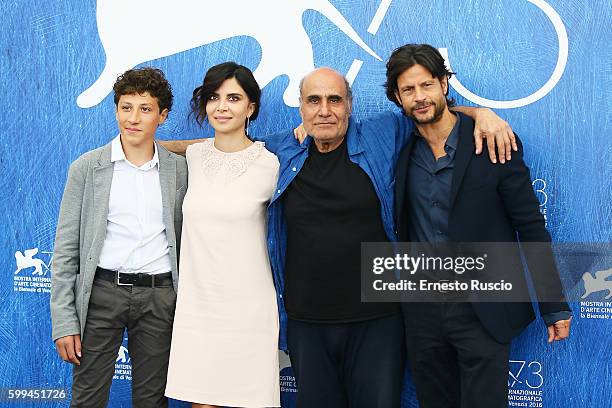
325,107
333,73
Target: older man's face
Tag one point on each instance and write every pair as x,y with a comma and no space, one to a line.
325,107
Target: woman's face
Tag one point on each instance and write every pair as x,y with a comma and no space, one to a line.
228,108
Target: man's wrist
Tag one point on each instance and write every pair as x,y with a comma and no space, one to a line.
552,318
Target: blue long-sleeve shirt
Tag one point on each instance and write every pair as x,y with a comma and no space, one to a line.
373,144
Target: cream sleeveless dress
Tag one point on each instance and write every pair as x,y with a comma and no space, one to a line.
225,336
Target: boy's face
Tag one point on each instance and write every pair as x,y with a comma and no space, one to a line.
138,117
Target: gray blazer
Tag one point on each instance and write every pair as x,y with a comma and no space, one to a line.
81,230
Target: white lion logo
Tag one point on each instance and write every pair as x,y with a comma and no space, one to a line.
597,283
183,25
283,360
27,260
123,355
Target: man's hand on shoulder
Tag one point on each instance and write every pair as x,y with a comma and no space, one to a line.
498,134
300,133
69,348
559,330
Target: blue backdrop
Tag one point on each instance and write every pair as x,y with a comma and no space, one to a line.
544,64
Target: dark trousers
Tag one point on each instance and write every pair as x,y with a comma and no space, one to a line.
147,313
454,361
352,365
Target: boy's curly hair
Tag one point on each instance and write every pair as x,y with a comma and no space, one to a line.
141,80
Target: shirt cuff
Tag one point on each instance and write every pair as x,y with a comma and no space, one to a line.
552,318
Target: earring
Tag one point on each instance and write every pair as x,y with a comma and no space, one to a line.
246,129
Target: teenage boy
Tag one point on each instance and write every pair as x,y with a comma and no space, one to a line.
116,250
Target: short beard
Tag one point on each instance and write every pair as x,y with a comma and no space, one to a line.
438,112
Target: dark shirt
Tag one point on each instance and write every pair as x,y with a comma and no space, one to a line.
330,208
429,187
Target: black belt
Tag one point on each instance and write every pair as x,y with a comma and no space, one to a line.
134,279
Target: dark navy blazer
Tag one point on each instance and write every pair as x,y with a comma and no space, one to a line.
494,203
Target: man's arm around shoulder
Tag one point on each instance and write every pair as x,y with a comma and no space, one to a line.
178,146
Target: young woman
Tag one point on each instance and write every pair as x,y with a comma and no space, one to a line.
225,337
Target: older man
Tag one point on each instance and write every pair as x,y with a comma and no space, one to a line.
335,191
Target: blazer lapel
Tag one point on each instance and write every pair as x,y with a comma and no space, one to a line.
465,152
102,179
401,175
167,181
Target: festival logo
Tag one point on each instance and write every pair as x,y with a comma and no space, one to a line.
123,365
563,42
286,48
524,384
539,186
597,292
32,271
597,283
288,385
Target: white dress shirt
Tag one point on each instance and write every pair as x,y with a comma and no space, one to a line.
135,232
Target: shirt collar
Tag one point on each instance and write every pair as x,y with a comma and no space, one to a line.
117,154
453,136
353,142
451,140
